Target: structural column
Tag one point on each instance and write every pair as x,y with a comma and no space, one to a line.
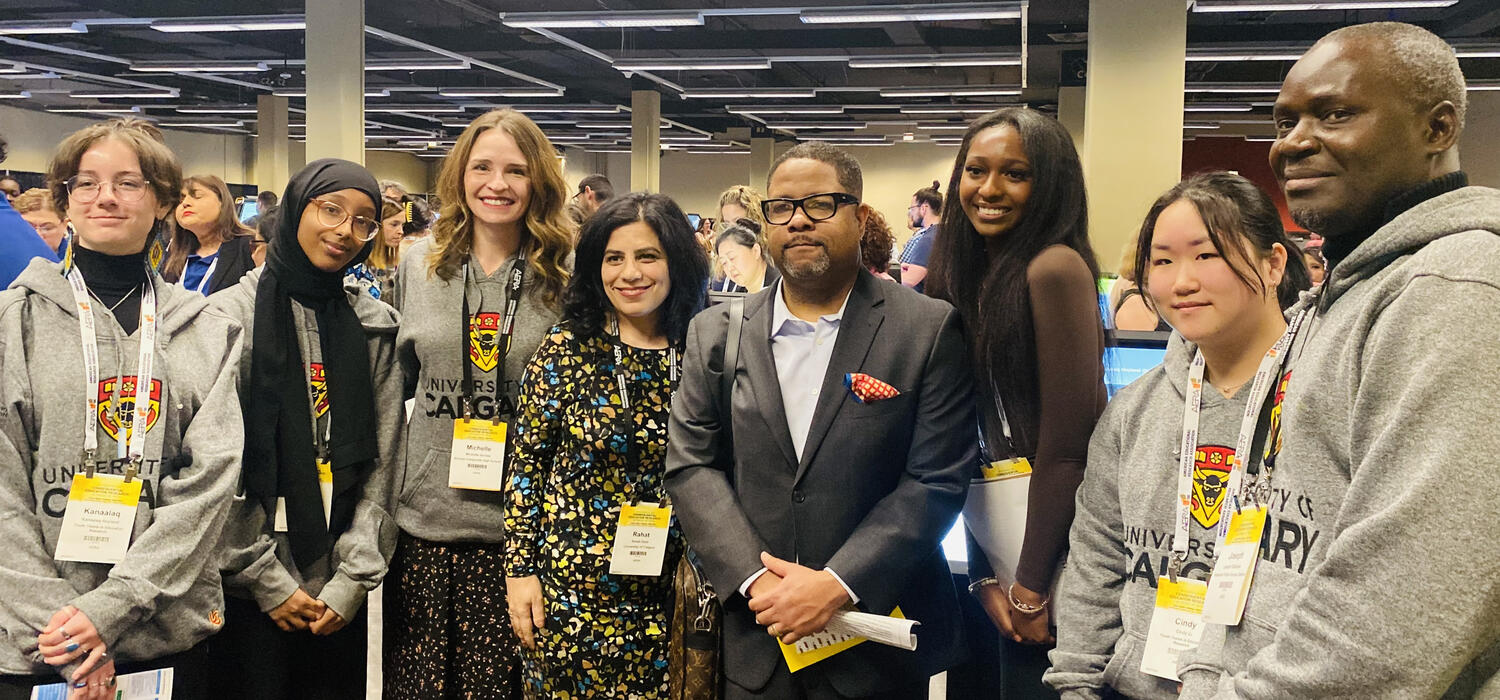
1132,119
1070,109
762,154
273,163
645,141
336,80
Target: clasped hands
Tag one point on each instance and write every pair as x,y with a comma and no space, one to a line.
792,601
69,637
304,612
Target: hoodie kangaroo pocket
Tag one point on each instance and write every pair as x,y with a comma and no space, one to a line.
1125,660
417,480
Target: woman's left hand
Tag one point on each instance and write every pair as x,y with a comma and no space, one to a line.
1033,628
68,637
328,623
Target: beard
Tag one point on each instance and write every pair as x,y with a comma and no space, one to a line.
807,270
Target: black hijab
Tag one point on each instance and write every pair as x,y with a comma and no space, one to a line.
280,455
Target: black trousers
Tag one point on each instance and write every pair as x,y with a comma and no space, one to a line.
1021,669
253,659
809,684
192,678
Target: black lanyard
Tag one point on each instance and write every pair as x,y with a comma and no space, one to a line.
502,338
627,409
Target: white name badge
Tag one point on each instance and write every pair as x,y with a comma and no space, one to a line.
99,519
640,540
1176,625
478,458
1229,584
325,489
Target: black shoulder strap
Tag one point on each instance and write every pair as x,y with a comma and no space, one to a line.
731,364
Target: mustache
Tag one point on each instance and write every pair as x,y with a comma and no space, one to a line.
801,240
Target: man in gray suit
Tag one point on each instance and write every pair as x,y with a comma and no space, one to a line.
805,499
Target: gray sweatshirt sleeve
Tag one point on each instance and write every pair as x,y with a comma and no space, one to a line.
1406,596
193,504
1088,606
364,550
249,560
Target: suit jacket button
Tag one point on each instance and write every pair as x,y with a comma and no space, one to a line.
797,496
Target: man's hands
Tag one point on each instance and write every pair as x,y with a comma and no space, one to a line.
300,610
792,601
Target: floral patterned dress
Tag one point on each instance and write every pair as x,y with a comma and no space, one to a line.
571,468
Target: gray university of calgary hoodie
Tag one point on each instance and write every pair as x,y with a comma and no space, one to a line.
1390,433
1121,538
166,595
257,562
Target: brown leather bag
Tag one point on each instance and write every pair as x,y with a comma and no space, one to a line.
693,671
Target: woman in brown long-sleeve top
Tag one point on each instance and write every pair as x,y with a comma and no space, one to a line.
1013,255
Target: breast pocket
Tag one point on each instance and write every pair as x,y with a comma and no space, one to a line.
894,406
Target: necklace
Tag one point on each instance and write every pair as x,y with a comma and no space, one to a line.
117,304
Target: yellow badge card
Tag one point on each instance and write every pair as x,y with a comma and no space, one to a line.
812,649
1229,584
1176,625
1006,469
640,540
478,458
99,519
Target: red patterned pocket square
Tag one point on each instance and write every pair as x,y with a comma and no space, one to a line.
867,389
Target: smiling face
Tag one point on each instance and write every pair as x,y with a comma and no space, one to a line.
109,224
634,271
497,182
1194,288
332,248
1346,142
996,181
807,250
199,209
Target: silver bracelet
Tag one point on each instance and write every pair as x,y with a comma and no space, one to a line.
981,583
1024,608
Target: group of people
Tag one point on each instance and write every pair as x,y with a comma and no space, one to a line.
537,421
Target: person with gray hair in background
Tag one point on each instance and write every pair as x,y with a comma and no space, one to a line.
1377,563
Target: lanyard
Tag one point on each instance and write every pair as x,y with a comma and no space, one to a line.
622,383
1266,376
208,276
138,424
323,437
502,338
984,448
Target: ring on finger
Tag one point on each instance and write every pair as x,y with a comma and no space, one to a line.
71,647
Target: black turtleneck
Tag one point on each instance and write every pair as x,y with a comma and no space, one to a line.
116,280
1336,249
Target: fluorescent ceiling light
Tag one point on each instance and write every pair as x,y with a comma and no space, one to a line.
686,138
1477,51
1200,125
14,94
415,64
746,63
199,66
575,20
832,138
12,68
568,137
1229,54
46,26
793,126
567,109
949,92
428,108
248,23
1483,85
1282,6
934,61
499,92
739,152
1234,88
1260,138
101,109
613,125
1216,107
302,92
710,145
911,13
943,127
938,109
201,123
738,93
124,94
606,150
787,109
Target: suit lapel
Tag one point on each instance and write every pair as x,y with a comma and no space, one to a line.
760,366
229,258
862,318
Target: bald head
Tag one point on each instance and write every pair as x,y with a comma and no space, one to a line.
1420,67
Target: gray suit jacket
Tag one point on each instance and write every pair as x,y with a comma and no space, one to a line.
877,487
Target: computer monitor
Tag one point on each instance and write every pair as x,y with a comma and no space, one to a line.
248,209
693,220
1130,354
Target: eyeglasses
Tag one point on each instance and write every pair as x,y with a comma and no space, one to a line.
86,188
818,207
332,214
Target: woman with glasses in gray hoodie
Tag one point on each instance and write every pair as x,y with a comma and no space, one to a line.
1214,261
108,564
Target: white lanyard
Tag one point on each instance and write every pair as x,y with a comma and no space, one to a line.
1265,378
138,424
208,276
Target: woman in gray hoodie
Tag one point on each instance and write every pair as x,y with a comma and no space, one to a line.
99,353
313,532
1217,265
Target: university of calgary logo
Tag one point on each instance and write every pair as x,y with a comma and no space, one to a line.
112,417
1211,465
1273,434
319,389
484,348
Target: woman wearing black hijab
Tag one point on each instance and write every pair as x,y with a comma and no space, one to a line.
313,532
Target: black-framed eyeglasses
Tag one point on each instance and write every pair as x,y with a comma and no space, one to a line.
817,207
86,188
332,214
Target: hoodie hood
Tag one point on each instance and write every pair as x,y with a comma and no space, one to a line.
1460,211
174,311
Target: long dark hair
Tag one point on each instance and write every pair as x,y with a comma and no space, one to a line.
990,290
1232,209
585,304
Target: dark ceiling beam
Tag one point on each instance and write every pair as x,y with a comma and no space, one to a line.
1472,19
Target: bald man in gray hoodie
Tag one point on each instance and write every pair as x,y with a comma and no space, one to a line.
1379,566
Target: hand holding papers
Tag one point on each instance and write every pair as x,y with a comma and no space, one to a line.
846,630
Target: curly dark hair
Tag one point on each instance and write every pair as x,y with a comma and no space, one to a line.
585,304
876,244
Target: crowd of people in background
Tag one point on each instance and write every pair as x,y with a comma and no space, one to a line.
521,411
